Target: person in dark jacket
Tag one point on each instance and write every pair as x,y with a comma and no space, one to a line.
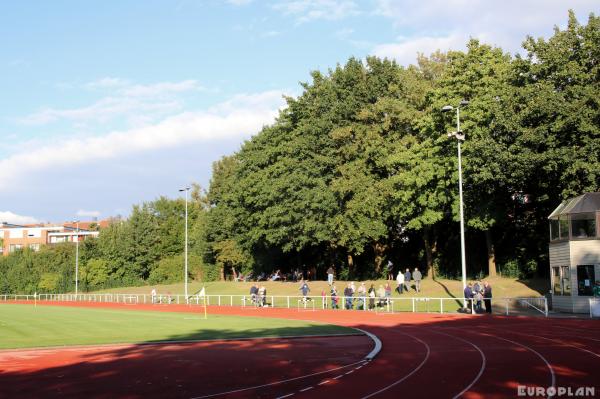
407,277
468,294
348,292
487,297
417,276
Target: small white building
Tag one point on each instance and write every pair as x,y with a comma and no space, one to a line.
575,252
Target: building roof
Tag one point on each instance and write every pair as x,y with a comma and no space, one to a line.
588,202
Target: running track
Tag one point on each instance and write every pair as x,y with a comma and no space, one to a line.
422,356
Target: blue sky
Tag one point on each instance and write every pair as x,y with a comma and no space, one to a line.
106,104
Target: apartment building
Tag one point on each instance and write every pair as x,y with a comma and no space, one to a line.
33,236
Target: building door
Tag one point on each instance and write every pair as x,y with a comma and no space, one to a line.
585,280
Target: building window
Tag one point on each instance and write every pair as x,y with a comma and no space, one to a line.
14,247
566,280
559,228
561,280
34,247
583,225
585,280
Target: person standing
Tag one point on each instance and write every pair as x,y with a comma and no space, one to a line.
305,290
334,297
417,276
371,297
348,292
407,278
400,281
330,272
390,270
487,297
362,294
153,293
388,293
468,293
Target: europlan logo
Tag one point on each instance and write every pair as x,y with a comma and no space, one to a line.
550,392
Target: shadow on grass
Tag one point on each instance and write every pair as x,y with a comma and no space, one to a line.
450,294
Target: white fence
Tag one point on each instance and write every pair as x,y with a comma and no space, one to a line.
507,306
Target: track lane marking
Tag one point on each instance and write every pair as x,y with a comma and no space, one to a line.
409,374
483,362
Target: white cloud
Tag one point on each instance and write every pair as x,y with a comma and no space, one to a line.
444,23
309,10
134,102
9,217
406,49
92,214
241,116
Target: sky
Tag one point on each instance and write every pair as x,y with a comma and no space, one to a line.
107,104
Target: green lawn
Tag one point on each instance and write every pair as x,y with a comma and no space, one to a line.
441,288
24,326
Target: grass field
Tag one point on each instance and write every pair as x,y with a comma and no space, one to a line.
23,326
440,288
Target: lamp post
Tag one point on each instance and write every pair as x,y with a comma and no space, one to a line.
459,135
186,189
76,259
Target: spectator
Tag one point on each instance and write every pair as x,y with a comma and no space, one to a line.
305,290
348,293
477,296
487,297
330,272
371,297
407,277
254,294
153,294
417,277
388,293
362,294
390,270
400,281
468,293
381,295
334,297
262,296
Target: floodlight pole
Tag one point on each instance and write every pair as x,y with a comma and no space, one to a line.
77,260
463,261
186,189
460,137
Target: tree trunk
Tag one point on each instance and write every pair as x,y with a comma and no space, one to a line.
350,266
379,249
221,271
430,249
491,253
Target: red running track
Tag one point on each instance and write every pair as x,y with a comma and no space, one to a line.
423,356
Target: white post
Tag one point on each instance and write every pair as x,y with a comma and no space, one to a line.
77,262
460,198
186,244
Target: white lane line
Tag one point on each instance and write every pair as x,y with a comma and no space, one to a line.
560,342
349,372
278,382
338,377
553,376
377,342
409,374
482,363
306,389
323,382
285,396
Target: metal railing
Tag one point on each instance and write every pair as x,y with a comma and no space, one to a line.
395,304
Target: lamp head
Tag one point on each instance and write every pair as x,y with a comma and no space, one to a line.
464,103
447,108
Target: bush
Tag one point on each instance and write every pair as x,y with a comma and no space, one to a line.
171,269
